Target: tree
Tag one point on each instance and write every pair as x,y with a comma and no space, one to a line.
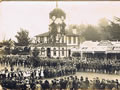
103,29
23,38
35,52
103,23
7,44
35,60
114,29
91,33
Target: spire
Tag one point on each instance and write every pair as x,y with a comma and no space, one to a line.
56,4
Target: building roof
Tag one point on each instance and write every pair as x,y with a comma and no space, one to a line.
49,44
57,12
102,46
105,43
66,33
43,34
89,44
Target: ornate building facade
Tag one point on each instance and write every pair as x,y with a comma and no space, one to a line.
57,42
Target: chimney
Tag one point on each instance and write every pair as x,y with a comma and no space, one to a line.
74,31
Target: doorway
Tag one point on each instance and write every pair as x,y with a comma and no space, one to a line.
48,52
69,53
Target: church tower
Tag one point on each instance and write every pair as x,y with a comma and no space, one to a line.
57,25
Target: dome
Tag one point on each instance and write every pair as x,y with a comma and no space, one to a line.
58,13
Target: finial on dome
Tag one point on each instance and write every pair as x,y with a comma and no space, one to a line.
56,4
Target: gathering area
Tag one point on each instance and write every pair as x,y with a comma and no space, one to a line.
72,74
58,49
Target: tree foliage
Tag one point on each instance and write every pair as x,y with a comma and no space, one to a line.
23,38
35,60
35,52
105,30
90,33
21,50
114,29
103,22
86,32
7,44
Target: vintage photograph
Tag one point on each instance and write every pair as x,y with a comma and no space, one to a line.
60,45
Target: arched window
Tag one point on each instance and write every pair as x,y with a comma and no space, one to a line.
54,51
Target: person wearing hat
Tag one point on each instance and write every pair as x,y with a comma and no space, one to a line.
46,84
81,82
86,83
117,84
38,86
102,84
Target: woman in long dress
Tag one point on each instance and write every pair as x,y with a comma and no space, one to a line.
37,74
42,73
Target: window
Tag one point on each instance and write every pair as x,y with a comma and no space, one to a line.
54,51
42,51
69,40
74,40
62,51
41,39
47,39
63,39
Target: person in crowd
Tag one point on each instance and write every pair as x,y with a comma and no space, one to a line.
58,68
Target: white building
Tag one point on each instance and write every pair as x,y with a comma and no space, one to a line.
57,42
63,49
103,49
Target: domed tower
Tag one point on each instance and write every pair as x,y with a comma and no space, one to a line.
57,25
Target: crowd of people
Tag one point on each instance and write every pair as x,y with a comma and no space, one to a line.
93,65
99,66
15,61
65,83
32,77
26,61
39,73
47,72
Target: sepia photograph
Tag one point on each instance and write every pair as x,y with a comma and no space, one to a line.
60,45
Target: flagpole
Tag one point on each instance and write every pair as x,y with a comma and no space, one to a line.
56,4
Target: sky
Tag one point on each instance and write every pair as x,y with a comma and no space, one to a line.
34,15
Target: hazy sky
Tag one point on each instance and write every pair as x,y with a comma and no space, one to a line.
34,16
